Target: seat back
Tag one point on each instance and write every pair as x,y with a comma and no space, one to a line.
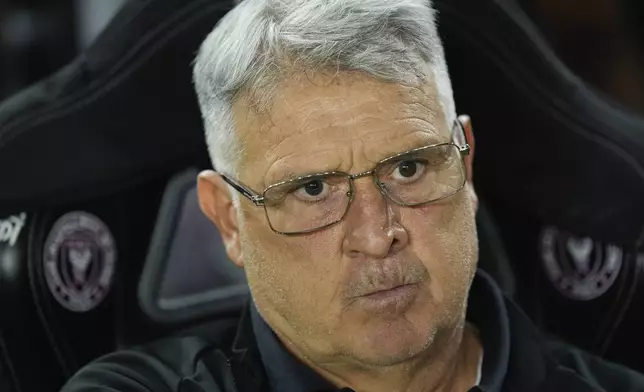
85,158
562,170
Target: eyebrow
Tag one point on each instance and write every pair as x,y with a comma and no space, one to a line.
289,175
282,176
434,139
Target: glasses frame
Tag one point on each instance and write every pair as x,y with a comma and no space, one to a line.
258,199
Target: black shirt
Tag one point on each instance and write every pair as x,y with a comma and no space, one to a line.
239,356
486,310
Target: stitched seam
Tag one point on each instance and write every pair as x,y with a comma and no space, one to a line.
523,81
113,77
547,55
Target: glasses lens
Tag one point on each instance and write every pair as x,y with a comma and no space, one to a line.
308,203
424,175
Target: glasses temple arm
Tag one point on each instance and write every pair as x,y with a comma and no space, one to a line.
246,192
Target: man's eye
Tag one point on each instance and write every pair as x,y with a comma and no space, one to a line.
312,190
409,170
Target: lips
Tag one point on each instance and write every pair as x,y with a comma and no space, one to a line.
391,301
385,289
388,283
385,276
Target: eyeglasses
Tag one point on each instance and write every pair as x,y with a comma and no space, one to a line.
413,178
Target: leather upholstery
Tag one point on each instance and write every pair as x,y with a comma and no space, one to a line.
562,170
103,136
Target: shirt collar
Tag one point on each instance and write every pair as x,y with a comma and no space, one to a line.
486,310
284,371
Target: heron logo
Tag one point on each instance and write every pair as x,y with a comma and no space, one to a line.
79,257
580,268
11,227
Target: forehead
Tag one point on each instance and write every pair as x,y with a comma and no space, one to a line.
329,119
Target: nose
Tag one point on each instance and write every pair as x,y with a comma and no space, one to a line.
373,228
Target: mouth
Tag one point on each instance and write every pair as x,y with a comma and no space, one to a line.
396,299
386,292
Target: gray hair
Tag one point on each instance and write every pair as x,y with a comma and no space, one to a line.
255,46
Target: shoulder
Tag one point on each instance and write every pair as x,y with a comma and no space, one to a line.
554,365
599,372
164,366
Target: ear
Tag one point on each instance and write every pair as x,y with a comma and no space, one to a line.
469,159
216,203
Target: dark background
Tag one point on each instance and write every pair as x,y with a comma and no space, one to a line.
602,41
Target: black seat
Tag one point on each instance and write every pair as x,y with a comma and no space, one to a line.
86,157
187,275
97,168
562,170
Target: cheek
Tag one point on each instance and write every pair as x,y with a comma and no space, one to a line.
443,237
295,276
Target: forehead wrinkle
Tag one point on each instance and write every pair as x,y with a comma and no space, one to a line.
316,119
302,109
320,161
419,124
395,144
313,115
292,147
308,104
276,150
425,96
313,107
334,158
427,110
377,144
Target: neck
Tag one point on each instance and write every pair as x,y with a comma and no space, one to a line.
449,365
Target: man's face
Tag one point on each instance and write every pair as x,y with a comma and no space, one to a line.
326,292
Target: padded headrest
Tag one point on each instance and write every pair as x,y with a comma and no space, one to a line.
547,142
187,274
562,169
122,113
86,152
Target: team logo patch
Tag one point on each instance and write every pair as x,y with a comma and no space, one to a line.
580,268
79,257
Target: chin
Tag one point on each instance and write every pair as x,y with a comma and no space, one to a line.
388,343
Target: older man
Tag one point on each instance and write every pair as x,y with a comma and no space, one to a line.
343,189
